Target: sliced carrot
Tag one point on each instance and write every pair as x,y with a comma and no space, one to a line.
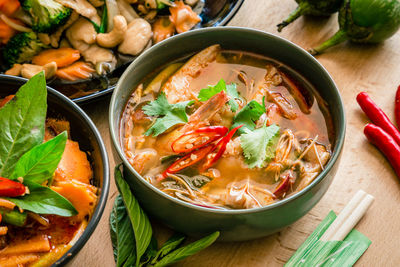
77,71
162,29
9,7
63,57
6,32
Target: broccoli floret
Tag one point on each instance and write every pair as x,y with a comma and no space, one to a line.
21,48
47,15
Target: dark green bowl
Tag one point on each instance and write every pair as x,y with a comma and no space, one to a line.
233,224
85,133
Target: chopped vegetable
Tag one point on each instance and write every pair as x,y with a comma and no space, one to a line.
62,56
22,48
377,116
311,7
13,217
284,186
385,143
163,28
219,149
39,243
188,160
197,138
47,15
168,114
364,21
10,188
248,115
255,145
230,90
76,71
9,7
6,32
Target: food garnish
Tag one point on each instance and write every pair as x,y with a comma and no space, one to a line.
132,236
230,90
364,21
248,115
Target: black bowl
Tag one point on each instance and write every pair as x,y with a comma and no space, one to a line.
85,132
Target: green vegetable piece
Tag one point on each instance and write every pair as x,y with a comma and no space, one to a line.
21,48
247,116
255,145
39,163
121,231
172,243
140,223
47,15
313,8
168,114
364,21
230,90
13,217
22,122
187,250
150,253
43,200
104,21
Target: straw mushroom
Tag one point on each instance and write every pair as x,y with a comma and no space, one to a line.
114,37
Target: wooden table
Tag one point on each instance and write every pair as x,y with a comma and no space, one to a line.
355,68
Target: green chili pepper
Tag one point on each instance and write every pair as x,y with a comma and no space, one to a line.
365,21
13,217
313,8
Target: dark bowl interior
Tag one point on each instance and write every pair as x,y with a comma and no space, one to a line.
85,133
233,224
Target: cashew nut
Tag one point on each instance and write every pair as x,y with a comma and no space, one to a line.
114,37
30,70
15,70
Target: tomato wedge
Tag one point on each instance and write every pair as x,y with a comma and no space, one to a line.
188,160
197,138
10,188
219,149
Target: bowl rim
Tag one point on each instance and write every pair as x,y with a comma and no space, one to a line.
339,138
97,95
92,224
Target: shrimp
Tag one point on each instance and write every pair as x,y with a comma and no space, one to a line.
177,87
272,78
183,17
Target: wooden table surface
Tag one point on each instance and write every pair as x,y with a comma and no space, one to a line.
374,69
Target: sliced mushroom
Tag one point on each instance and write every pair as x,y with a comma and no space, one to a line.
136,37
114,37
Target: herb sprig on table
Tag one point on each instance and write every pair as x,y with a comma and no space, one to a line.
132,235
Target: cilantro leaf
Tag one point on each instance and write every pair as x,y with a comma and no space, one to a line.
248,115
230,90
257,145
168,114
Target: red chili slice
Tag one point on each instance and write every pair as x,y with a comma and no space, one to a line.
284,186
10,188
219,149
188,160
197,138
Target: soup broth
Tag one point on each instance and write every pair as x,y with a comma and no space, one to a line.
282,145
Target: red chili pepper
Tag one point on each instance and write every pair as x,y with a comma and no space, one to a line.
385,143
10,188
284,185
187,160
197,138
397,107
377,116
219,149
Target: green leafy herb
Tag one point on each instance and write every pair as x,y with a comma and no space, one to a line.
22,122
168,114
188,250
39,163
121,232
230,90
248,115
172,243
104,21
43,200
255,145
140,223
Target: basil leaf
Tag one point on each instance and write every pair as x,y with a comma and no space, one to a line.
43,200
22,122
39,163
140,223
172,243
187,250
122,236
150,253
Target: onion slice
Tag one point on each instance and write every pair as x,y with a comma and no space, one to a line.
14,25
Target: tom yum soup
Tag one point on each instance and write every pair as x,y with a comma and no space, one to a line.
227,130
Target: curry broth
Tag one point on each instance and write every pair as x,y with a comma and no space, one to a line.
232,171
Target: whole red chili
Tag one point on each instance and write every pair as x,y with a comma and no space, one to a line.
385,143
10,188
377,116
397,107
